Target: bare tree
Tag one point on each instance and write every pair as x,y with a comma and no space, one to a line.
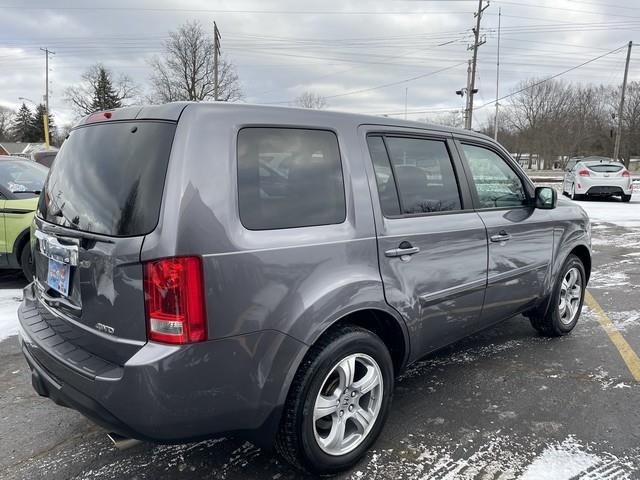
6,116
98,91
186,71
311,100
448,119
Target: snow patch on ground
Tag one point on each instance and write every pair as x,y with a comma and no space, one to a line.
569,460
495,456
9,301
608,278
612,211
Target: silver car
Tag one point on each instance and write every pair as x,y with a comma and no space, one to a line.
597,176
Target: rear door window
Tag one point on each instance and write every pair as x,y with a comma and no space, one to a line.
108,178
289,178
423,173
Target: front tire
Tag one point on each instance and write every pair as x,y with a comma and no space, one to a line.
626,198
566,302
26,262
338,402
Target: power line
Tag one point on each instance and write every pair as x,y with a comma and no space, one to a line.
363,90
553,76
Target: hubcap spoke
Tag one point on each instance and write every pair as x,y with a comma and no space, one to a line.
362,419
336,436
325,406
347,371
368,382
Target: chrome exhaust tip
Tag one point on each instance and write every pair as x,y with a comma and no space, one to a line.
122,443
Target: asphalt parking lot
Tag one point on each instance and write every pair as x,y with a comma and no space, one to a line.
503,404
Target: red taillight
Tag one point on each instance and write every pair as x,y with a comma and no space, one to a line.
98,117
174,300
583,173
625,173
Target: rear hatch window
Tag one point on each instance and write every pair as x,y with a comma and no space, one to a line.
108,178
605,168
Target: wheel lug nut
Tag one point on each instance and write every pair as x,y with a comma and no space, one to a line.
353,394
341,413
351,408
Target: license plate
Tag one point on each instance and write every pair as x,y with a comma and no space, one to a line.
58,276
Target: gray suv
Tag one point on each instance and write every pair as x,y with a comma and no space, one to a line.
219,269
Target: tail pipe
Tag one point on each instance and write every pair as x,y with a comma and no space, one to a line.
122,443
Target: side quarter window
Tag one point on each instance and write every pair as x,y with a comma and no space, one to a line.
498,186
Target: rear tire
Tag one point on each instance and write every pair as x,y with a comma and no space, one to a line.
567,298
573,195
26,262
626,198
335,442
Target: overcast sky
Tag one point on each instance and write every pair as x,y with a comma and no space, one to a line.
362,56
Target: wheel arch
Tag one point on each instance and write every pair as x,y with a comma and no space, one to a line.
382,320
21,241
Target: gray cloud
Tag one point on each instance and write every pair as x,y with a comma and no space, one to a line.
282,48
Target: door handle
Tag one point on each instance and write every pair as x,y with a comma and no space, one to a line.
405,249
502,236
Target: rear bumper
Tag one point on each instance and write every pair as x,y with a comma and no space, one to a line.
593,187
171,394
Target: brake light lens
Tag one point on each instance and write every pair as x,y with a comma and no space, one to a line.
98,117
625,173
584,173
174,300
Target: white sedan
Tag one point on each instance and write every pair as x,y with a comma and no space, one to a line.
597,177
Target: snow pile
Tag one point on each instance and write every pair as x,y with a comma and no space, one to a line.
9,301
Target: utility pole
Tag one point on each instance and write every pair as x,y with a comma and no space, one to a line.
47,52
616,149
406,93
495,120
476,43
216,59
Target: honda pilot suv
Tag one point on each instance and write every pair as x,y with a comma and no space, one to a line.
217,269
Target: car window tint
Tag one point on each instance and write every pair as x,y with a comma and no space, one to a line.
496,183
424,175
384,177
605,168
20,176
289,178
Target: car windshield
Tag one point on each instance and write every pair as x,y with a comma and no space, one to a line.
605,168
22,176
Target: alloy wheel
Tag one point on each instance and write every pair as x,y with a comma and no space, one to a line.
570,296
348,404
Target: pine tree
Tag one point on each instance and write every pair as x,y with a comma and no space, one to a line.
22,127
105,96
38,124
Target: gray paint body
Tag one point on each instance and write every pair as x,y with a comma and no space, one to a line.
271,294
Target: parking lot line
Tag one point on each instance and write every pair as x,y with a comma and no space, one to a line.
626,352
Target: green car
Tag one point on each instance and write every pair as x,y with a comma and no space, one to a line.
21,181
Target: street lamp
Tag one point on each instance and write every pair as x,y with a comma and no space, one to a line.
25,99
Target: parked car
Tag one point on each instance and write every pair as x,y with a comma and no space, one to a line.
596,176
208,269
44,157
20,184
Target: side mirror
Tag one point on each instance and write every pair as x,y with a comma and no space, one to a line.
546,198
